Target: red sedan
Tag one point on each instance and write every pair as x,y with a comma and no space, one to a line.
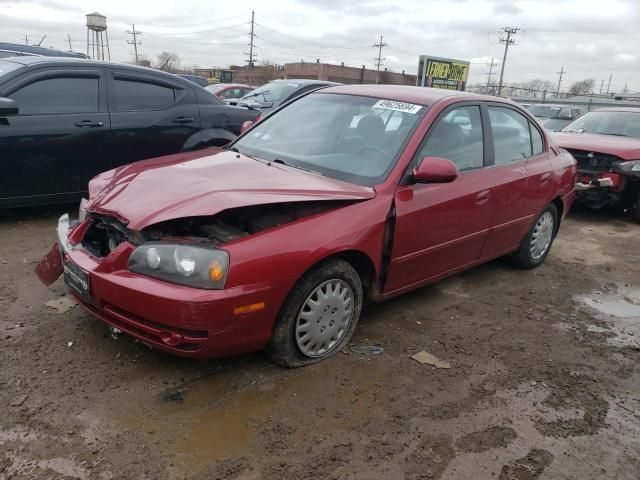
606,145
228,91
275,242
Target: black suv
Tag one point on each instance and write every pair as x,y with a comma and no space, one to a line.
64,120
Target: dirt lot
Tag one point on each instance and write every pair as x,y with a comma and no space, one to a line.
544,381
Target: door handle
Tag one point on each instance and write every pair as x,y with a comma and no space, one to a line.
183,120
482,197
89,123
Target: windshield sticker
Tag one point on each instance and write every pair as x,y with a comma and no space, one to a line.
397,106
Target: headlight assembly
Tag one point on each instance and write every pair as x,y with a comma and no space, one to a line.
630,166
189,265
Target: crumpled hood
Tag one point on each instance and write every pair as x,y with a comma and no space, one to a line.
627,148
197,184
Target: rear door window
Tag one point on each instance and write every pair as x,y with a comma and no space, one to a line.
511,135
134,95
58,95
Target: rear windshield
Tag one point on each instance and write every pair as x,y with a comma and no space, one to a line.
544,112
272,92
6,67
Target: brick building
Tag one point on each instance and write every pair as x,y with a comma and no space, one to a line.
343,74
260,75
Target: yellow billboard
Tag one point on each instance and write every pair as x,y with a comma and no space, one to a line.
445,73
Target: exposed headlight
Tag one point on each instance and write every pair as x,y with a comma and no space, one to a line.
189,265
629,166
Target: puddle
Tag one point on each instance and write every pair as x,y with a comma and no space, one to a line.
619,309
222,430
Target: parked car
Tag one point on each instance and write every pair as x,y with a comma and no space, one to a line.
606,144
277,240
229,91
554,117
197,79
278,92
62,121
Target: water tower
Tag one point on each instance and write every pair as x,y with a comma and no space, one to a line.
96,36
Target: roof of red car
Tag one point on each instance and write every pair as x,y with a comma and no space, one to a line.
406,93
618,109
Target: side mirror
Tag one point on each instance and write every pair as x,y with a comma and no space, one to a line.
8,107
246,126
435,170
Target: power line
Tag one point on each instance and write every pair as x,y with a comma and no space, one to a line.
379,61
199,31
221,20
507,42
135,41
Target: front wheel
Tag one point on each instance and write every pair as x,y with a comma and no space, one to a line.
319,316
536,244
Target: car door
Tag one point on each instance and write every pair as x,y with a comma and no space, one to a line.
57,142
515,167
441,228
151,116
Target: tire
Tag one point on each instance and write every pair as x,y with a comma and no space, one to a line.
304,335
533,248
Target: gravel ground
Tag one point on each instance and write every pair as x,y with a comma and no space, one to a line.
544,380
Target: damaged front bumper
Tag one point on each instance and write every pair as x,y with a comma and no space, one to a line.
178,319
596,183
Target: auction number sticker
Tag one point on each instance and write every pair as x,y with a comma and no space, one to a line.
397,106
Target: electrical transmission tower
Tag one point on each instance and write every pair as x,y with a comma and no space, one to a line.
133,32
561,73
507,42
490,65
252,36
379,60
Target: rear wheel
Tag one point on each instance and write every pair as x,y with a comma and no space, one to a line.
536,244
319,316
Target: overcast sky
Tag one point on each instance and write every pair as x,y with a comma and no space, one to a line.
588,38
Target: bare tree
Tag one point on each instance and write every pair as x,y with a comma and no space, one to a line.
582,87
169,62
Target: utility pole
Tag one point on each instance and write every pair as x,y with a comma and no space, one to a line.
135,41
601,85
379,60
506,41
69,40
561,73
252,37
490,65
26,39
609,84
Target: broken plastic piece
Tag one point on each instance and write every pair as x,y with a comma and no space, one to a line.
367,349
426,358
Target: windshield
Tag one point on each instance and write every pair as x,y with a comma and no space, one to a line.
544,112
625,124
272,92
6,67
351,138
